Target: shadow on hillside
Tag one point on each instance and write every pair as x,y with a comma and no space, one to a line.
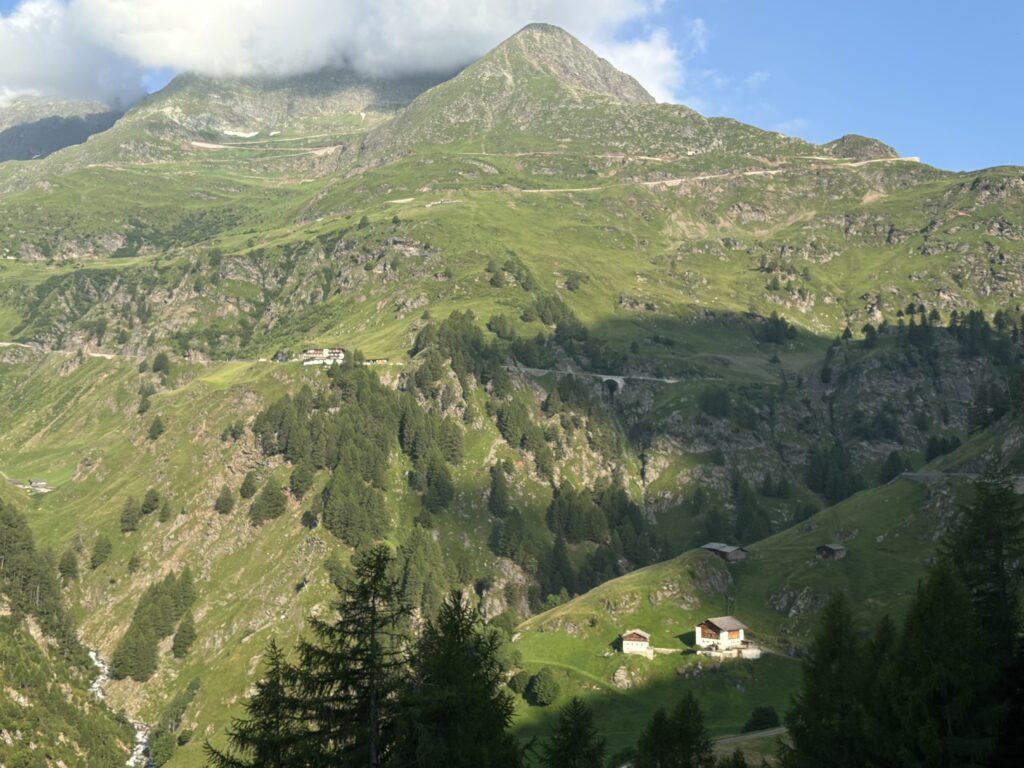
30,141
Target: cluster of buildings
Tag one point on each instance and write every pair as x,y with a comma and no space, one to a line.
733,554
720,637
323,356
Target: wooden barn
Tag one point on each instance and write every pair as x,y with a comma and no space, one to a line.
728,552
831,552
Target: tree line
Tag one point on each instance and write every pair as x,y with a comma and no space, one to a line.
350,429
162,609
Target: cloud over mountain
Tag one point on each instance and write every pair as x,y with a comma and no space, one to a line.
102,47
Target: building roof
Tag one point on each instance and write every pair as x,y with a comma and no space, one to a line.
833,547
717,546
638,632
726,623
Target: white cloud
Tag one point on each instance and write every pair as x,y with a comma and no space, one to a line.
654,61
91,47
45,51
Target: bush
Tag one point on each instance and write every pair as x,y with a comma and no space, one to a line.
519,682
161,747
161,363
716,402
543,688
761,719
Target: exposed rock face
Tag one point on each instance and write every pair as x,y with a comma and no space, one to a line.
711,576
621,679
494,600
796,601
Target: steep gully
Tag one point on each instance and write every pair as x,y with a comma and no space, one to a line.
140,751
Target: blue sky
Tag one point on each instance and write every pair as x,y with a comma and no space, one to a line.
940,79
943,80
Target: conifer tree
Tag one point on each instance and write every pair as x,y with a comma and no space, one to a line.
225,501
457,712
150,502
68,567
348,674
272,734
553,402
249,486
156,429
271,503
301,479
573,742
563,575
184,637
498,502
100,552
986,548
131,514
677,739
826,723
166,511
185,594
941,697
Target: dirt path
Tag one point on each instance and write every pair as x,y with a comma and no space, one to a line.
86,352
291,151
681,180
740,738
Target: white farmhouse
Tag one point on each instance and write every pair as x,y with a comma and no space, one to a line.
636,641
721,633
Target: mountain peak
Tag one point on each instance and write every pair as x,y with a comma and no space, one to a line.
541,28
544,49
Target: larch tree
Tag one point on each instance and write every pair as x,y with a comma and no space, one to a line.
349,672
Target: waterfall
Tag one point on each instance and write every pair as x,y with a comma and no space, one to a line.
140,751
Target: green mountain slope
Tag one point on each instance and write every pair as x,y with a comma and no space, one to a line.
891,534
652,361
49,712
